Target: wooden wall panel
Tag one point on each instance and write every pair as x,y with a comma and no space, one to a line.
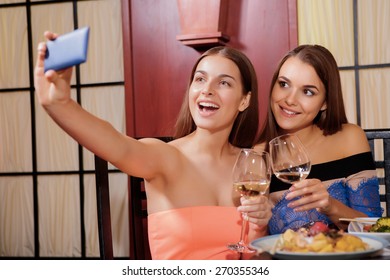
158,66
161,66
262,30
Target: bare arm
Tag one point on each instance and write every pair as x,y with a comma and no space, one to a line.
131,156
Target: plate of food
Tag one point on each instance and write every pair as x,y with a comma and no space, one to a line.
378,227
305,243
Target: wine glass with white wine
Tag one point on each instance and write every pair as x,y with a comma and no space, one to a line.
289,159
251,178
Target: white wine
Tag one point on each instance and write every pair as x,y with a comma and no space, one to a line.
251,189
293,174
290,177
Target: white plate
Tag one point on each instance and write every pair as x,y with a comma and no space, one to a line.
266,244
356,228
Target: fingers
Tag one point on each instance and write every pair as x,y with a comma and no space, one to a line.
42,49
50,35
261,220
40,64
308,195
304,188
258,210
41,55
51,76
248,204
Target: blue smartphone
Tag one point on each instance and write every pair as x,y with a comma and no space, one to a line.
67,50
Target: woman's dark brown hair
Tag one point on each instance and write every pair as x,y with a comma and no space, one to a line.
245,126
330,120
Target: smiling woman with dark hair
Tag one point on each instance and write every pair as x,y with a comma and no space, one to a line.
306,99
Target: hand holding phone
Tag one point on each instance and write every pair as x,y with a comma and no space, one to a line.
67,50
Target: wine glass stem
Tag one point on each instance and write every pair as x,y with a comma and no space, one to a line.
244,229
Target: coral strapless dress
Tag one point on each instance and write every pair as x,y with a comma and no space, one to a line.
194,233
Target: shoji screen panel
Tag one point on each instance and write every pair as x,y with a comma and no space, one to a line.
47,186
356,32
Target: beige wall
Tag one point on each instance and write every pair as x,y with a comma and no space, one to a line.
366,78
22,119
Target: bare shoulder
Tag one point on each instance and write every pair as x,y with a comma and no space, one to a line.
169,150
353,132
153,141
160,156
156,145
353,138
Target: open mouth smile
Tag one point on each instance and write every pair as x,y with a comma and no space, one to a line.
207,107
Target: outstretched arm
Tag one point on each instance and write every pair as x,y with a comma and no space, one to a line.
98,136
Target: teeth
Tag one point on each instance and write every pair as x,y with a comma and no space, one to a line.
207,104
289,112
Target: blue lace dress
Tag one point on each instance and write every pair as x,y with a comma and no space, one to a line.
351,180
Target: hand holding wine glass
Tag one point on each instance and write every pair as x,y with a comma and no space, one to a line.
290,161
251,178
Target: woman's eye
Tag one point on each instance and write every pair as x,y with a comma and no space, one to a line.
282,84
308,92
199,79
225,83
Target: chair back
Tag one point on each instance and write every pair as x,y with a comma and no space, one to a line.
379,140
139,249
103,209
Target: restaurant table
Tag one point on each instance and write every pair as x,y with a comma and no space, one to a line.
383,254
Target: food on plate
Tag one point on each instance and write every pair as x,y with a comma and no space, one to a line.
318,227
381,225
319,238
